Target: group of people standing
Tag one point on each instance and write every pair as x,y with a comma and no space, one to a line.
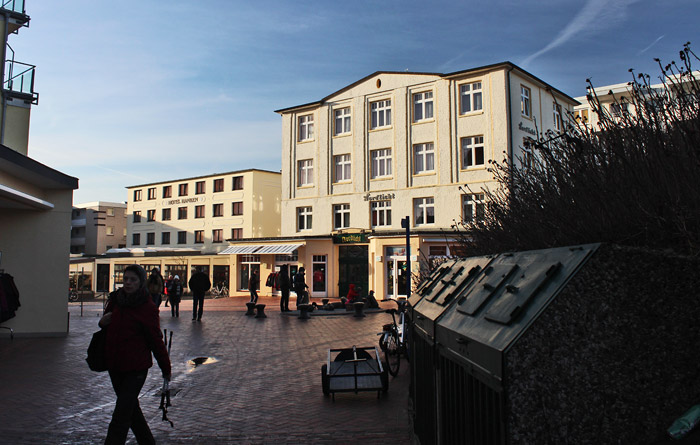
173,289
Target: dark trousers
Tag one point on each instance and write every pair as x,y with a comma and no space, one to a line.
127,412
284,301
197,302
175,308
253,296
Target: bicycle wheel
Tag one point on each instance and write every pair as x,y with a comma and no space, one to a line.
392,354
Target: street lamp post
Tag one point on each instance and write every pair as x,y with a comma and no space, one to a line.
406,224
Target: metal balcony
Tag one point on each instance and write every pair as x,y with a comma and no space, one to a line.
14,9
19,81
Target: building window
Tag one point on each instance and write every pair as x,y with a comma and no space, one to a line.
306,127
182,190
305,172
341,216
199,211
182,213
472,151
381,163
470,97
217,210
423,211
150,238
423,158
218,185
165,238
167,191
473,207
109,231
137,216
151,215
136,239
381,213
525,105
199,188
342,121
556,115
152,193
110,211
342,168
165,215
236,233
237,183
422,106
124,231
582,115
182,237
618,109
527,160
380,114
437,251
217,235
199,236
303,218
137,195
236,208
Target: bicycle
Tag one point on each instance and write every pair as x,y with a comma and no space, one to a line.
72,295
393,338
219,292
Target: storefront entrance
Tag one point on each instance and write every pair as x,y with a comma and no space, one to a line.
353,267
396,272
248,264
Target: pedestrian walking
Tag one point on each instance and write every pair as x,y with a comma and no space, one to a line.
175,296
199,284
155,286
300,287
168,282
253,284
284,287
133,333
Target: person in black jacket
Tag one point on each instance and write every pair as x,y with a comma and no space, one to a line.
300,286
253,284
284,287
199,284
175,295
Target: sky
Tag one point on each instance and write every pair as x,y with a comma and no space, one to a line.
155,90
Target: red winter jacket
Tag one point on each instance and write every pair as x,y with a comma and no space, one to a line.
131,336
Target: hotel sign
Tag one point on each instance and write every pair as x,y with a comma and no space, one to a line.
171,202
380,197
350,238
527,129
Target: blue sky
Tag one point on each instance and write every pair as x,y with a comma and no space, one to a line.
147,91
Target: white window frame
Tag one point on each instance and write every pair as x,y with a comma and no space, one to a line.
342,121
109,231
306,127
473,207
525,101
380,213
305,173
381,163
423,158
470,98
380,114
342,168
425,209
469,146
304,218
423,106
341,216
556,115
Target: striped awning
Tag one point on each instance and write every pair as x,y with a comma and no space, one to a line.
261,249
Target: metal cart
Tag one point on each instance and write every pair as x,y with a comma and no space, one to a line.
354,370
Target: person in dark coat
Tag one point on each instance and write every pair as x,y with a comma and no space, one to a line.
300,286
284,287
133,333
199,284
175,296
155,286
253,284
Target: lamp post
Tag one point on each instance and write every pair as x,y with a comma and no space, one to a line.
406,224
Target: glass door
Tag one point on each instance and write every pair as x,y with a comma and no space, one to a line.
396,277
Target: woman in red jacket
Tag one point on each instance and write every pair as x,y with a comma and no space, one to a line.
133,332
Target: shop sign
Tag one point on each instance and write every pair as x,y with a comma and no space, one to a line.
527,129
380,197
349,238
171,202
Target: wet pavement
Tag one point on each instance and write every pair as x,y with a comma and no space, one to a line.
236,379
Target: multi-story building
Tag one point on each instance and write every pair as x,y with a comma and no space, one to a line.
35,202
97,227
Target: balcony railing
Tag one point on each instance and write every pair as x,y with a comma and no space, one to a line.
13,5
19,78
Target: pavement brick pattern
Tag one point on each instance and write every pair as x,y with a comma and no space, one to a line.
263,387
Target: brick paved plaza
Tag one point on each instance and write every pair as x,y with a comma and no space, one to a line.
265,386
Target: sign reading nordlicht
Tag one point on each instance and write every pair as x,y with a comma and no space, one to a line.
350,238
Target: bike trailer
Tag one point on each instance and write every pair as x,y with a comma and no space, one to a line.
354,370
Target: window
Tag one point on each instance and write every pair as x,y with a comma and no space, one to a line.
124,231
303,218
217,210
381,163
470,97
342,121
618,109
472,151
199,188
182,213
237,183
110,211
217,235
167,191
341,216
556,116
423,211
527,160
306,127
422,106
182,237
342,168
165,238
423,158
236,208
151,215
137,216
109,231
380,114
218,185
525,106
199,236
381,213
473,207
152,193
437,251
305,172
182,190
136,239
165,215
137,195
150,238
236,233
582,115
199,211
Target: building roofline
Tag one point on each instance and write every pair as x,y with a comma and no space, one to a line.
86,205
17,164
204,176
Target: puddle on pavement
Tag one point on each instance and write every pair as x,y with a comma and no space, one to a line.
198,361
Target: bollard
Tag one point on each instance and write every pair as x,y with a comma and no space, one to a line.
359,309
304,311
325,301
251,308
261,311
